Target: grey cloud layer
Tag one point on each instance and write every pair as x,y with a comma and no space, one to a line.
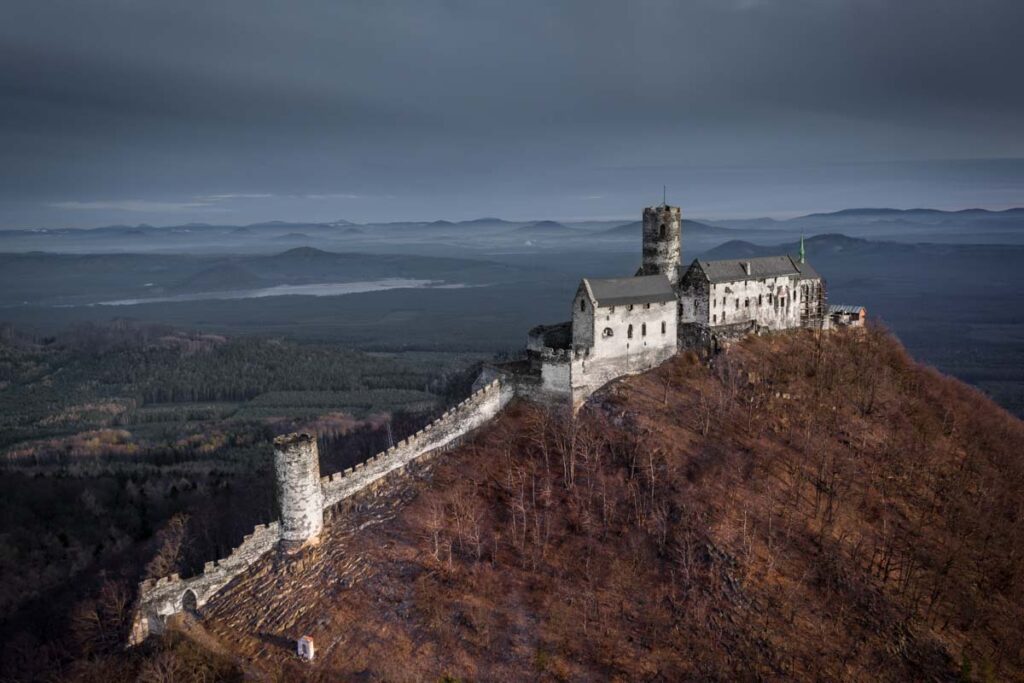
102,101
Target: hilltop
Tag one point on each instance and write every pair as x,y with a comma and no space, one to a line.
801,508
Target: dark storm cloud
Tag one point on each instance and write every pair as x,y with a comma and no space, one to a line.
431,107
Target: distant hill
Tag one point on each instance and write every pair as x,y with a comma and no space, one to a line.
291,237
487,220
817,246
965,226
868,212
635,229
541,228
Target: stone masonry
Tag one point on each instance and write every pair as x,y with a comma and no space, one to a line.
299,496
297,467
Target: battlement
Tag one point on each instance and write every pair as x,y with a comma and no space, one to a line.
160,598
475,411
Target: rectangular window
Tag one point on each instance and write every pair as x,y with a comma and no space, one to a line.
647,306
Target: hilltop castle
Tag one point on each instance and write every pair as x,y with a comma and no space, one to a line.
619,326
622,326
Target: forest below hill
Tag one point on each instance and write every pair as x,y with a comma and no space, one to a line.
131,450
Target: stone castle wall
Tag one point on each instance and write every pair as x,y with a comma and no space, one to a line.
474,412
161,598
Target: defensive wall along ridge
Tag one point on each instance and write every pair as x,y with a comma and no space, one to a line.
303,496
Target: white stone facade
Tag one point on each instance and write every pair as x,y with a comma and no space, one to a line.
620,327
610,341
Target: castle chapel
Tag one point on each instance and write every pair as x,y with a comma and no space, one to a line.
622,326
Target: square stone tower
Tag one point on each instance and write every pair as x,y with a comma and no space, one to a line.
662,242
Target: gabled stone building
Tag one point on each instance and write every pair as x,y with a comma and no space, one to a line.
720,301
623,326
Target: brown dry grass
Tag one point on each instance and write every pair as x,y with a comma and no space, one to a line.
804,508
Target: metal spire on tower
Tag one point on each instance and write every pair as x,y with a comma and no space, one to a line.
803,254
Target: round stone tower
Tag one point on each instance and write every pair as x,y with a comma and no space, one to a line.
299,496
662,237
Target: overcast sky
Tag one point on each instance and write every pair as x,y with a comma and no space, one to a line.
235,111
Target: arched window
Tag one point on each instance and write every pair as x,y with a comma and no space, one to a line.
663,327
661,231
714,318
629,332
583,304
608,332
643,330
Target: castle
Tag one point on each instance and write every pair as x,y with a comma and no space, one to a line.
622,326
619,326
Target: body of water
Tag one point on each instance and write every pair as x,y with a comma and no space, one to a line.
322,289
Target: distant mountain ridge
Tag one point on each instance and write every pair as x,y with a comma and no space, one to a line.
862,212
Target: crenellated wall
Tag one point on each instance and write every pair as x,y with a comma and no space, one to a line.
161,598
472,413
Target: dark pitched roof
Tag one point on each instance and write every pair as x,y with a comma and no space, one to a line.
731,270
844,308
619,291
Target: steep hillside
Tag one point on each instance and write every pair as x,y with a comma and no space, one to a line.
801,509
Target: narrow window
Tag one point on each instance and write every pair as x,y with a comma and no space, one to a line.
737,303
583,305
759,299
663,327
714,318
647,306
643,330
612,309
629,332
631,307
661,231
746,303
